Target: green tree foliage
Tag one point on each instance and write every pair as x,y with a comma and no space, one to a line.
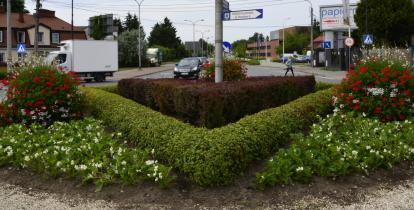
131,22
98,28
391,21
16,6
128,48
257,36
298,42
118,25
240,48
164,34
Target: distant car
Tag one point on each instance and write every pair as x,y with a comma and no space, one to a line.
188,67
301,59
286,57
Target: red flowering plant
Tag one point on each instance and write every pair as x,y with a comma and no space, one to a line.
233,70
377,88
42,95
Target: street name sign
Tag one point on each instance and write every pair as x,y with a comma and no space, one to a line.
349,42
368,39
243,15
21,48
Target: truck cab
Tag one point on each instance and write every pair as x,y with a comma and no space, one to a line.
154,55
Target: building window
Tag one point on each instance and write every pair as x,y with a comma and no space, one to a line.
21,37
40,37
1,57
1,36
55,38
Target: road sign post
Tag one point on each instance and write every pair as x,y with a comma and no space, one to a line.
219,42
243,15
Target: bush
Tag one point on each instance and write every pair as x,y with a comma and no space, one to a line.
253,62
379,89
233,70
3,75
341,145
213,105
41,95
323,86
80,149
208,157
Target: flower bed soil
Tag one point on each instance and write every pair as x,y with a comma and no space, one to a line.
241,195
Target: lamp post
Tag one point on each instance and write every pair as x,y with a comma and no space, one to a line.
139,32
283,55
194,24
202,41
311,41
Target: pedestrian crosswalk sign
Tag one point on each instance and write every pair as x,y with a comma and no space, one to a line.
21,48
368,39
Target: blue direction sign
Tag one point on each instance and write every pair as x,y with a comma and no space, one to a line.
368,39
227,47
243,15
326,45
21,48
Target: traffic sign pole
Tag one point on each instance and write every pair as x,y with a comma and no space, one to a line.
219,42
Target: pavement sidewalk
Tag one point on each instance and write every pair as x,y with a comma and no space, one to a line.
338,75
133,73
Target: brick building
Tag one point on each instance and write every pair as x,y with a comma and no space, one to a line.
52,31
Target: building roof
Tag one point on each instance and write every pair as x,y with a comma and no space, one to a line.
319,39
54,23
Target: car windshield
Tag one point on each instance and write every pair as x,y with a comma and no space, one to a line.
188,62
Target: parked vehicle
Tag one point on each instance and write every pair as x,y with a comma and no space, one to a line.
301,59
188,67
204,60
154,55
286,57
90,60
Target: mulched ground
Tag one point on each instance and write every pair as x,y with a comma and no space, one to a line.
241,195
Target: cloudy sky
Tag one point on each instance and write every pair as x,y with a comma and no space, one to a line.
276,14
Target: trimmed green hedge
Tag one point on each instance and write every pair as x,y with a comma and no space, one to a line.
208,157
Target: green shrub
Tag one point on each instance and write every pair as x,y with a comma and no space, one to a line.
341,145
253,62
378,88
3,75
276,60
208,157
41,95
80,149
211,105
233,70
323,86
109,88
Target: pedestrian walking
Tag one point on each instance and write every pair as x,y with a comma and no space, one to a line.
289,66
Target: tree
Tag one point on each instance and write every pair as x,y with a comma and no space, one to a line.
16,6
128,48
164,34
390,21
240,48
257,36
131,22
118,25
298,42
98,28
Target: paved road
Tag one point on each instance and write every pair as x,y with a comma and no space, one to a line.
275,70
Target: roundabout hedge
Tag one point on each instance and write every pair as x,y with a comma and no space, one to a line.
208,157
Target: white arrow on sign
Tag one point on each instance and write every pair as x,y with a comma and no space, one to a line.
244,14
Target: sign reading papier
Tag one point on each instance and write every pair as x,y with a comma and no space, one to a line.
332,17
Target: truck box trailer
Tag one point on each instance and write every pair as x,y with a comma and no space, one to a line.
89,59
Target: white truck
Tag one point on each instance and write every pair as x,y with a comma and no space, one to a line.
155,56
89,59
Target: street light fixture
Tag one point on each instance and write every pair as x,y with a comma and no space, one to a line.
139,32
194,24
202,41
283,55
312,47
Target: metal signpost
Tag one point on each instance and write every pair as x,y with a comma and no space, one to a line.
349,42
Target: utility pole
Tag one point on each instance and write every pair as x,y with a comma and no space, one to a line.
9,38
311,41
73,36
194,25
139,34
36,41
219,41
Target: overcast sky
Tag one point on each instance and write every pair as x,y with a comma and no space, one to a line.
276,14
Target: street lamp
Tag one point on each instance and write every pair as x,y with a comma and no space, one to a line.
194,23
139,31
312,48
283,55
202,41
